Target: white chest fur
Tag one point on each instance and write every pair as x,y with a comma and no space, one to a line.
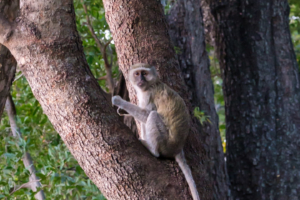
143,98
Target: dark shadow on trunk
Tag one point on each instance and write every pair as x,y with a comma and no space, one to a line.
187,33
261,86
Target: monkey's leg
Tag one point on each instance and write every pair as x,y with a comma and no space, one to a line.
155,131
131,109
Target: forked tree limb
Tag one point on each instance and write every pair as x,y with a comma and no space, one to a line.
57,72
25,185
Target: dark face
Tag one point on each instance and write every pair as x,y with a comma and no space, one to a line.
143,78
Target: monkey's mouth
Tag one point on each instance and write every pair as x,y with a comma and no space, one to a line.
141,83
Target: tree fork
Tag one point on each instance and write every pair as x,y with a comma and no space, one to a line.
140,33
48,50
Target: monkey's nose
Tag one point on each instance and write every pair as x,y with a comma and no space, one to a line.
141,82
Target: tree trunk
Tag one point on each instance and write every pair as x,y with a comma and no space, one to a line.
48,49
140,33
187,33
261,85
8,64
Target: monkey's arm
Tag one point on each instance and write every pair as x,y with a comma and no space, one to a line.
131,109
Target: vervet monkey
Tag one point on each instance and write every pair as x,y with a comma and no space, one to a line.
163,115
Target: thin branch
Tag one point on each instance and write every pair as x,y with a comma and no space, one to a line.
11,112
108,67
18,77
107,43
111,55
27,160
101,78
88,23
25,185
102,46
5,29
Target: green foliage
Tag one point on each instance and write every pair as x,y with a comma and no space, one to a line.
295,26
200,115
218,92
177,50
58,170
167,4
93,55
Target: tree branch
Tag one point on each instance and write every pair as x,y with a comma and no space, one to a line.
101,78
107,65
18,77
109,77
99,43
25,185
27,160
111,55
5,29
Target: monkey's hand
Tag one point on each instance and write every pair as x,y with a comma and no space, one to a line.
117,101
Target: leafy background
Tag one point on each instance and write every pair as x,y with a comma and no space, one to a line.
60,174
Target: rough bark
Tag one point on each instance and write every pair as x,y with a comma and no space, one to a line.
140,33
187,33
8,64
33,184
48,49
209,23
261,85
7,72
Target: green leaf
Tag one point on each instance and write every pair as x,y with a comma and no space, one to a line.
9,155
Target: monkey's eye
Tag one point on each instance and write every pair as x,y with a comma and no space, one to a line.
136,73
144,73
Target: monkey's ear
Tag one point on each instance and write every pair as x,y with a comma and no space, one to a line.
154,71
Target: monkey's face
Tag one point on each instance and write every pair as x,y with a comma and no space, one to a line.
143,78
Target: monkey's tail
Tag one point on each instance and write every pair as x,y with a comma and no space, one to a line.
180,159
